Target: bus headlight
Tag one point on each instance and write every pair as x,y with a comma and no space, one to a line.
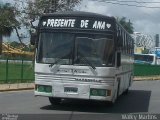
97,92
40,88
48,89
44,88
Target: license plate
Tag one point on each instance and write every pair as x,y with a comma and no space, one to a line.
71,89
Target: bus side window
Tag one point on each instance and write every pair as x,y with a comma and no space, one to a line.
120,41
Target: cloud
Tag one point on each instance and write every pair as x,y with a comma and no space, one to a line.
145,20
90,6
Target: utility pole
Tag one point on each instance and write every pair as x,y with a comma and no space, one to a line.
157,40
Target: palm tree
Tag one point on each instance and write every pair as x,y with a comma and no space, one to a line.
7,21
128,26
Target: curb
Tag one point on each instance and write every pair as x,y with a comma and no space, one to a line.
19,89
146,78
16,87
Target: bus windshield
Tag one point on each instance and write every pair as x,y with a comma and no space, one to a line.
76,49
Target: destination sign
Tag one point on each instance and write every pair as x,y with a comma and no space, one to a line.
77,23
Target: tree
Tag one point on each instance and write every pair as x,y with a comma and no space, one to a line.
128,26
31,10
8,21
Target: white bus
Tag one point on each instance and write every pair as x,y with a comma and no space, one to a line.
145,59
81,55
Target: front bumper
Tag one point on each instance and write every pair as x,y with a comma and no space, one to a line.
83,91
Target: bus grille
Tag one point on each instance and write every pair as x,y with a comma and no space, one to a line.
49,78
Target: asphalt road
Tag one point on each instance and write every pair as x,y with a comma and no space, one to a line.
143,97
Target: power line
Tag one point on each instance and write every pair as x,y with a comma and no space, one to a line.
134,1
132,5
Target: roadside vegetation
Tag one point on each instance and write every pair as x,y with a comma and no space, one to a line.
16,72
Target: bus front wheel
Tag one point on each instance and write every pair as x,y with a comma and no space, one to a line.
55,101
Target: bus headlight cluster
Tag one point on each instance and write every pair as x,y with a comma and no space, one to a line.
98,92
44,88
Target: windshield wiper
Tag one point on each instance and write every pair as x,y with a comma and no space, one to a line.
92,67
57,63
86,60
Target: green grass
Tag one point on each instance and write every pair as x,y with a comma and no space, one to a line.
146,70
16,72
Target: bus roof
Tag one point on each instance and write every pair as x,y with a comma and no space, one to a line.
76,14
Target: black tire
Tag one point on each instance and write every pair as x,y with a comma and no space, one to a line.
55,101
126,91
110,104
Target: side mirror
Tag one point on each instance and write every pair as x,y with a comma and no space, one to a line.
33,38
118,59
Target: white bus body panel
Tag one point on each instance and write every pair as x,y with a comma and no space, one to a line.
81,77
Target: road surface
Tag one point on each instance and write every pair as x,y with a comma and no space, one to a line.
143,97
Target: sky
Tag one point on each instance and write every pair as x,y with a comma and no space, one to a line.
145,20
